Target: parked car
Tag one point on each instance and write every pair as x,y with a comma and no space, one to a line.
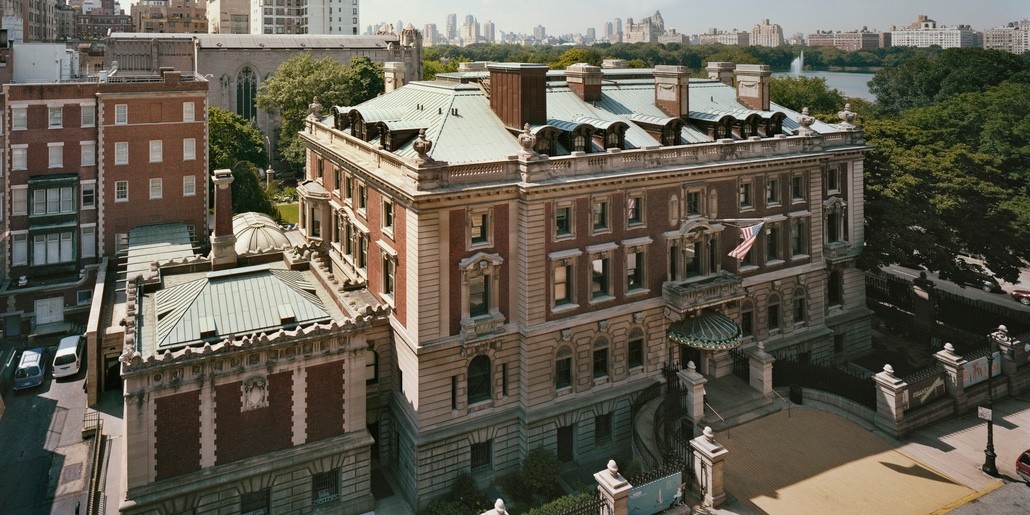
31,369
1021,296
1023,466
68,356
972,277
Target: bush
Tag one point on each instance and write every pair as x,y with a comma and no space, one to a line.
540,473
464,498
565,504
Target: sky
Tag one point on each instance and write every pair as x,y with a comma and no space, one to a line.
694,16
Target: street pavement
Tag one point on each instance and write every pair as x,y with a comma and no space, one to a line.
1001,299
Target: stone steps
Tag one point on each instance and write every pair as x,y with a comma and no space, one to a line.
740,414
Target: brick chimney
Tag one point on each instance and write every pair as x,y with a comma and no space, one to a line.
518,93
753,85
394,75
672,90
223,241
585,81
721,71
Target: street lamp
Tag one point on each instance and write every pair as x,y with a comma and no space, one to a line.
989,466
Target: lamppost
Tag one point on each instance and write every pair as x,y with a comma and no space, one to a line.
989,466
269,173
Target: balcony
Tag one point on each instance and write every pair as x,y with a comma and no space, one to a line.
691,295
841,251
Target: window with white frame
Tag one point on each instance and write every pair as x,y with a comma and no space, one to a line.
19,249
121,114
389,271
121,153
55,247
55,117
362,197
87,116
156,150
189,149
19,157
19,200
189,185
52,201
121,191
89,241
19,118
87,153
188,114
387,215
156,188
55,154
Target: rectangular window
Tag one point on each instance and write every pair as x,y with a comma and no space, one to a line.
387,214
156,150
56,117
481,455
504,379
347,187
320,167
635,352
797,187
838,344
55,155
255,503
156,188
189,149
562,285
694,206
798,237
773,315
772,191
362,197
88,117
362,251
121,153
87,153
603,429
189,186
19,119
389,269
480,229
325,487
19,249
121,114
834,178
835,288
52,248
89,195
600,363
454,392
744,195
563,221
53,201
634,210
89,241
121,191
799,310
371,366
599,215
772,242
188,114
563,372
747,323
19,157
19,201
599,278
479,290
634,271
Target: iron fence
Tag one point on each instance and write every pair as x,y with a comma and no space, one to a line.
791,372
741,364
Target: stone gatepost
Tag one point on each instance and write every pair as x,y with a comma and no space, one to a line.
709,460
694,383
761,364
720,364
498,509
614,488
1007,348
954,368
891,401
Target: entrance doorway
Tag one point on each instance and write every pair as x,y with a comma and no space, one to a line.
566,443
688,354
48,311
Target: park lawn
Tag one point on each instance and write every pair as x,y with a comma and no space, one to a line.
289,212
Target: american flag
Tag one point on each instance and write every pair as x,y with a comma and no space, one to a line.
749,235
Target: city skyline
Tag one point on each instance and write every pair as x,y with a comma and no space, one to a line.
793,15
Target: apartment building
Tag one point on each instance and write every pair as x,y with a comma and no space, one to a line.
170,16
766,34
925,33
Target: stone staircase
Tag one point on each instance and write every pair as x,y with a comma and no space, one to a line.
739,414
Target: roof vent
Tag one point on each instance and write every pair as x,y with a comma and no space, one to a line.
207,328
286,314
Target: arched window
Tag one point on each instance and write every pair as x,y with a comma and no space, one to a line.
563,368
246,90
611,140
479,380
579,143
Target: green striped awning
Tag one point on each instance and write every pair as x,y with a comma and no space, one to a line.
707,331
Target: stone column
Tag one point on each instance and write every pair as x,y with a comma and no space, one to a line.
614,488
694,384
891,401
1007,348
709,459
498,509
761,364
955,384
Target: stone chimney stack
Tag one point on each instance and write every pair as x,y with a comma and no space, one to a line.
223,242
672,90
518,93
585,81
394,75
721,71
753,85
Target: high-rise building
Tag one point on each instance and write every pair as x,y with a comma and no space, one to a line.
430,35
849,41
452,27
925,33
539,33
489,32
715,36
1013,37
170,16
647,31
228,16
766,34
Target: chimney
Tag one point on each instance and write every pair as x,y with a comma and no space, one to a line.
585,81
721,71
394,75
672,90
753,85
223,242
518,93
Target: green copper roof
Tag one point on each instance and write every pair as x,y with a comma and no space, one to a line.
707,331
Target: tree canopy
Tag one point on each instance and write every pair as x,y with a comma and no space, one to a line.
811,92
298,80
232,139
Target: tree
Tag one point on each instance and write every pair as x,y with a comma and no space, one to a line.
810,92
296,83
577,55
248,194
231,139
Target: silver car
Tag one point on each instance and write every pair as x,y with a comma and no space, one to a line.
31,369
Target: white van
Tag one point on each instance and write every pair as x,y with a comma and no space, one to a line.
68,356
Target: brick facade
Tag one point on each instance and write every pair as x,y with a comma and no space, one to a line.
177,434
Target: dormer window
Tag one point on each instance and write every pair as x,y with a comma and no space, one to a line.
612,139
579,143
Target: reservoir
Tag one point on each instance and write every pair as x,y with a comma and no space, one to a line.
850,84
